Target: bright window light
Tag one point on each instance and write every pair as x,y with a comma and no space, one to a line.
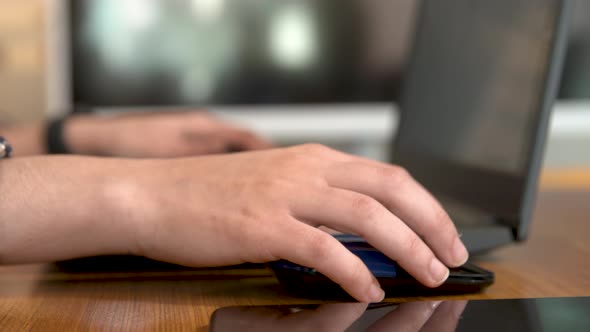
293,41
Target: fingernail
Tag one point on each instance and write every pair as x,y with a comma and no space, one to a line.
438,271
460,253
376,293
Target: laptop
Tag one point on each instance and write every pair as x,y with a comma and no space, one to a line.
475,106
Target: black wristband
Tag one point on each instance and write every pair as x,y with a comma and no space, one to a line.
54,137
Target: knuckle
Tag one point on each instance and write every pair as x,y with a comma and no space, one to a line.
315,148
300,156
440,220
289,158
398,174
395,178
319,246
411,245
437,226
273,185
356,274
367,209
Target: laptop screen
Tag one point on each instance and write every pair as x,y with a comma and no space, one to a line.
474,97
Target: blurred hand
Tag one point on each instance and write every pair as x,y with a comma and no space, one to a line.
408,317
266,205
157,135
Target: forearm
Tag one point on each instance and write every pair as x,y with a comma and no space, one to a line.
27,139
55,208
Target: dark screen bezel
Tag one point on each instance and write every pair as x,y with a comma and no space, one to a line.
513,202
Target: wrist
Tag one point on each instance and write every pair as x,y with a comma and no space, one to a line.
129,203
86,135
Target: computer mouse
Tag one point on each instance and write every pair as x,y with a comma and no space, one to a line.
395,281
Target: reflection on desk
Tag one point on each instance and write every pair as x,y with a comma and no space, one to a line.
518,315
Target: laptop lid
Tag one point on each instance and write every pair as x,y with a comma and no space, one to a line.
476,101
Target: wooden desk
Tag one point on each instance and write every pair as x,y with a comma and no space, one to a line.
554,262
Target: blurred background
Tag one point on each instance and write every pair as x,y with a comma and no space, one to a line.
324,71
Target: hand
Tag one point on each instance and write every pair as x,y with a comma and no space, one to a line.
413,316
157,135
265,205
